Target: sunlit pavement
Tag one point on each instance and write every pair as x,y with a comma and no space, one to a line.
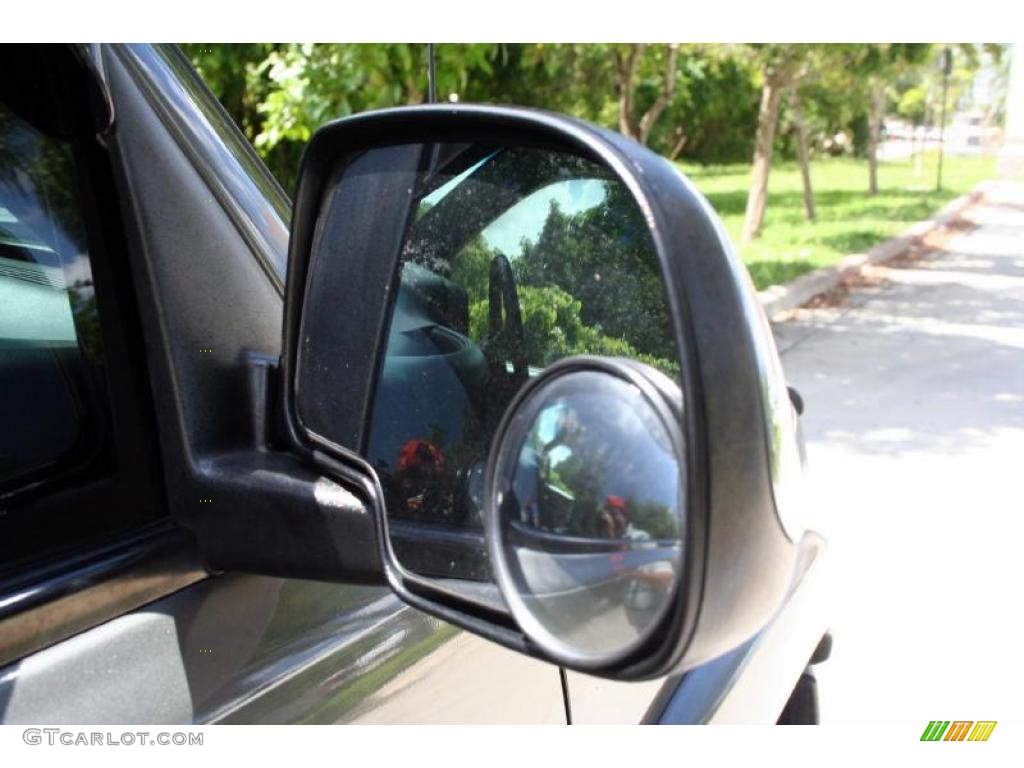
914,421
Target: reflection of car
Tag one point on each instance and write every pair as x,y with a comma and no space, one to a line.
167,534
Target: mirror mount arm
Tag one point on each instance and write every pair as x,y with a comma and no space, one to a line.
259,507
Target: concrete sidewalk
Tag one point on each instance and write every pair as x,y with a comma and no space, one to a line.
915,430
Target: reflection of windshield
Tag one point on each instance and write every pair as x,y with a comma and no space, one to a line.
523,223
516,258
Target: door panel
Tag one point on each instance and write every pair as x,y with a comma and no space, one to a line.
248,649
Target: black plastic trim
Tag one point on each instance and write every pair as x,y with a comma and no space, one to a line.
148,66
207,307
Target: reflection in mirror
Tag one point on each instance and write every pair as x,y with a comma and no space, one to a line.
513,258
589,515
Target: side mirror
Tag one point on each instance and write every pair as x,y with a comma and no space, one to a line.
525,343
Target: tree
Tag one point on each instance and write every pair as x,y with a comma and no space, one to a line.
913,107
280,93
588,284
779,65
876,110
650,117
627,60
801,149
879,64
230,71
603,257
713,113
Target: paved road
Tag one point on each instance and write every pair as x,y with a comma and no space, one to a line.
915,430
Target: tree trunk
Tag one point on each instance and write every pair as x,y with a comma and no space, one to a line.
625,83
664,98
875,114
801,151
767,117
413,93
677,148
918,149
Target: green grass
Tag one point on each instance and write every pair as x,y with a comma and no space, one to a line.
848,219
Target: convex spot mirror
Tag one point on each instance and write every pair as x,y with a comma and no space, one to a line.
585,507
491,334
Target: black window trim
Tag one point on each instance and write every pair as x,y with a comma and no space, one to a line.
264,228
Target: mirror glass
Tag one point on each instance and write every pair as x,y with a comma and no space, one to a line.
509,258
588,512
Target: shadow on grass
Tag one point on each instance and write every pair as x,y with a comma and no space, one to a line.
766,272
854,241
914,210
834,204
729,203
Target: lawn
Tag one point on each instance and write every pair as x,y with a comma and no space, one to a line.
848,219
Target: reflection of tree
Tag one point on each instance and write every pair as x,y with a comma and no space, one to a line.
604,258
39,168
584,475
554,328
471,270
653,517
568,311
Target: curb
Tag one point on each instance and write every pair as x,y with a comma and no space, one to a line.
780,299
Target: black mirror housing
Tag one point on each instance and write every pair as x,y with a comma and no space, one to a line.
357,189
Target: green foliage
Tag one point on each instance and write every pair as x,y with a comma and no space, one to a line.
605,259
589,284
714,108
654,518
554,328
565,311
280,93
232,71
912,105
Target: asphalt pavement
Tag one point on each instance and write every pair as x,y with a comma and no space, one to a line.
914,391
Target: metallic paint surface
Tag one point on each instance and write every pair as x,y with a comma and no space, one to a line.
250,649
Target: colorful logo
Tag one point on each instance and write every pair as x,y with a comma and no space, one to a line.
958,730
